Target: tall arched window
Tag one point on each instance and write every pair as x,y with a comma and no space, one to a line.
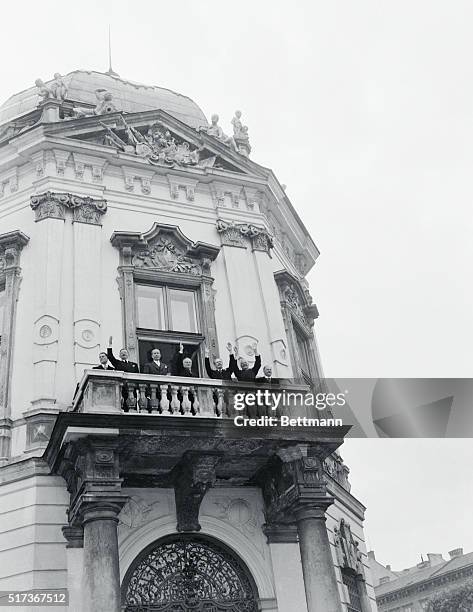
189,572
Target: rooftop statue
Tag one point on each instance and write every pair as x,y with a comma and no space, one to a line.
105,103
240,135
55,90
239,130
58,87
44,91
216,131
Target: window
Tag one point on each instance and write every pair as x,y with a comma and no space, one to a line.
351,582
166,309
167,315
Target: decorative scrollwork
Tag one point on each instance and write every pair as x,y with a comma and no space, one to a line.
165,255
53,205
187,573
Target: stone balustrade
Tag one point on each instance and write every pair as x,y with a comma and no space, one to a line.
105,392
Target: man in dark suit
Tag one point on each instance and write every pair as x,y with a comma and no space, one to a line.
183,364
267,379
220,372
123,365
244,372
104,363
156,366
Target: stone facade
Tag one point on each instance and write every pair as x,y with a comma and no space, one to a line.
95,205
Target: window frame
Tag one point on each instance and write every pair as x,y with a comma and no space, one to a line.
167,288
170,336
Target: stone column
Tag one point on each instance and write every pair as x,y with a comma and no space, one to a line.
101,575
317,563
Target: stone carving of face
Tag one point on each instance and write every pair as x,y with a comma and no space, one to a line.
103,358
187,363
219,364
268,370
123,354
244,364
214,119
156,355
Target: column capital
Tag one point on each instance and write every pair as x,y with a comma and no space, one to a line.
74,536
294,486
102,510
91,469
306,508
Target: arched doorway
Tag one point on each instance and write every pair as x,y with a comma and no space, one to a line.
188,573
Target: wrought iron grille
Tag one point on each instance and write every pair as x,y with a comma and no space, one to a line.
188,574
351,583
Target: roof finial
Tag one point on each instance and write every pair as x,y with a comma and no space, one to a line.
110,70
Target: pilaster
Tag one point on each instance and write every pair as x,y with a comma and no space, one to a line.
11,245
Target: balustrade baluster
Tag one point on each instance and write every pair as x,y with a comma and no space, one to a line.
143,400
131,399
196,406
154,402
186,405
220,408
164,400
175,406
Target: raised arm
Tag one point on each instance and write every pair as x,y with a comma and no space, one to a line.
257,365
208,367
178,359
110,354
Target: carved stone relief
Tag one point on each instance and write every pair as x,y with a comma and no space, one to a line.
349,554
239,234
53,205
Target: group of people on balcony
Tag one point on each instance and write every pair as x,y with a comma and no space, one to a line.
182,365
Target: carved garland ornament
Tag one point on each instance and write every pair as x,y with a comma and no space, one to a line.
236,234
53,205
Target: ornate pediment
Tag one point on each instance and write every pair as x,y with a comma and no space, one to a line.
156,138
296,298
165,248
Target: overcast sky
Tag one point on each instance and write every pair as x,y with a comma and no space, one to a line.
365,110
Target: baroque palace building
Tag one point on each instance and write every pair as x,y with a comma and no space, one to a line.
125,213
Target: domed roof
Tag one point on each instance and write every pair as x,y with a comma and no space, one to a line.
128,96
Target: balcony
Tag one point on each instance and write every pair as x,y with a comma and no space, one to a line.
116,392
